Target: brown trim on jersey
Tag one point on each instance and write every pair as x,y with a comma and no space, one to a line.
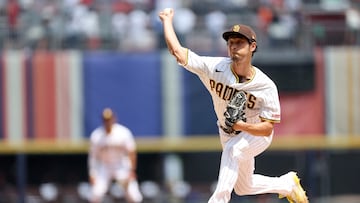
253,70
269,120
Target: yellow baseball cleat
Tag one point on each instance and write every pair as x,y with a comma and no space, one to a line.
297,194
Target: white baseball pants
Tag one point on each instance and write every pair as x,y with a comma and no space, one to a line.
237,169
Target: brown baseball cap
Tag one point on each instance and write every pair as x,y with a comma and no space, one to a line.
240,30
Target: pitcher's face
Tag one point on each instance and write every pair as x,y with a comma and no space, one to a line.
240,48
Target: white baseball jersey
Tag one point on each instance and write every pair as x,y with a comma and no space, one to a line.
109,159
238,155
220,80
111,149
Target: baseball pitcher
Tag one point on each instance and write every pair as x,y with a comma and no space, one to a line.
247,106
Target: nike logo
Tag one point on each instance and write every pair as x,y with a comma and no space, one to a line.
218,71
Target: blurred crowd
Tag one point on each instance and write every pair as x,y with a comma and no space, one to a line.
133,25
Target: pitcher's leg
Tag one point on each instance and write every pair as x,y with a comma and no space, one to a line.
227,178
249,183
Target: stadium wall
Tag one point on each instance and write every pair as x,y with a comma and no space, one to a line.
59,95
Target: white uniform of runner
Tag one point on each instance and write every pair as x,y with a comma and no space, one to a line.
109,159
238,156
